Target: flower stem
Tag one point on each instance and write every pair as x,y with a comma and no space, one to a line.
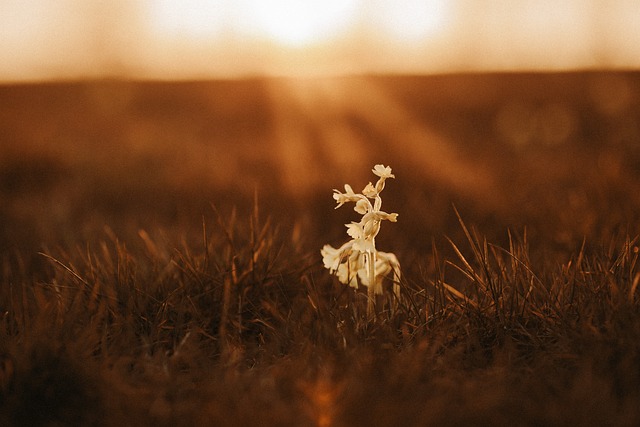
371,291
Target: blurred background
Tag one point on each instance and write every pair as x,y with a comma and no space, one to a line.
131,114
164,39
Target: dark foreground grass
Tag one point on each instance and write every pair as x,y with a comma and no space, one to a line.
241,326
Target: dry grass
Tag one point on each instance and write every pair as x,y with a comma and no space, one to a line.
242,327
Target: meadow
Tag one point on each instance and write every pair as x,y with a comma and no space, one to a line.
160,247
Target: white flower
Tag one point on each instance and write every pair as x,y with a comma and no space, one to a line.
389,263
371,225
344,262
382,171
347,196
351,262
364,245
355,230
370,191
330,257
393,217
363,206
348,271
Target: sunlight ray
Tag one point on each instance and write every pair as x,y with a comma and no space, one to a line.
340,126
341,148
291,140
412,141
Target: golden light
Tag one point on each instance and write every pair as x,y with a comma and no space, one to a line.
412,21
199,19
40,39
297,23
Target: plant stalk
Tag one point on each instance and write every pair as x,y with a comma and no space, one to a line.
371,291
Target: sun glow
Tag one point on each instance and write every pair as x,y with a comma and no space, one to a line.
414,20
295,22
300,23
286,22
41,39
198,19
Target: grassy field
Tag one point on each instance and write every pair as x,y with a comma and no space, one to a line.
160,252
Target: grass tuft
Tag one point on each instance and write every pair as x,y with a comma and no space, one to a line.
237,325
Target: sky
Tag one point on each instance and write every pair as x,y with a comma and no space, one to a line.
171,39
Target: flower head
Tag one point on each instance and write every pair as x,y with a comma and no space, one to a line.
383,171
363,206
370,191
354,230
358,261
347,196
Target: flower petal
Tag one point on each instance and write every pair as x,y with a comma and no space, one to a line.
370,191
383,171
354,230
362,206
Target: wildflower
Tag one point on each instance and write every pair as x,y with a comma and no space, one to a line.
370,191
362,206
358,261
347,196
382,171
354,230
343,262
